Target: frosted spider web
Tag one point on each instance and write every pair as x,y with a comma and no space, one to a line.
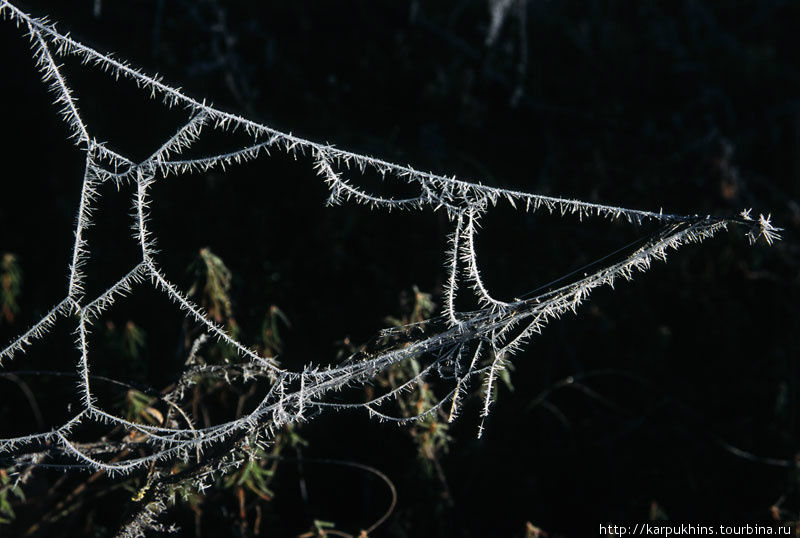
462,348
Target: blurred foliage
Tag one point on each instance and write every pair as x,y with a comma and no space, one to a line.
138,407
212,283
430,433
10,287
8,490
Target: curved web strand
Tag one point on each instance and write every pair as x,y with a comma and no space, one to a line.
457,348
450,188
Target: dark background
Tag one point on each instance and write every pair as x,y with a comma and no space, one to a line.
689,106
